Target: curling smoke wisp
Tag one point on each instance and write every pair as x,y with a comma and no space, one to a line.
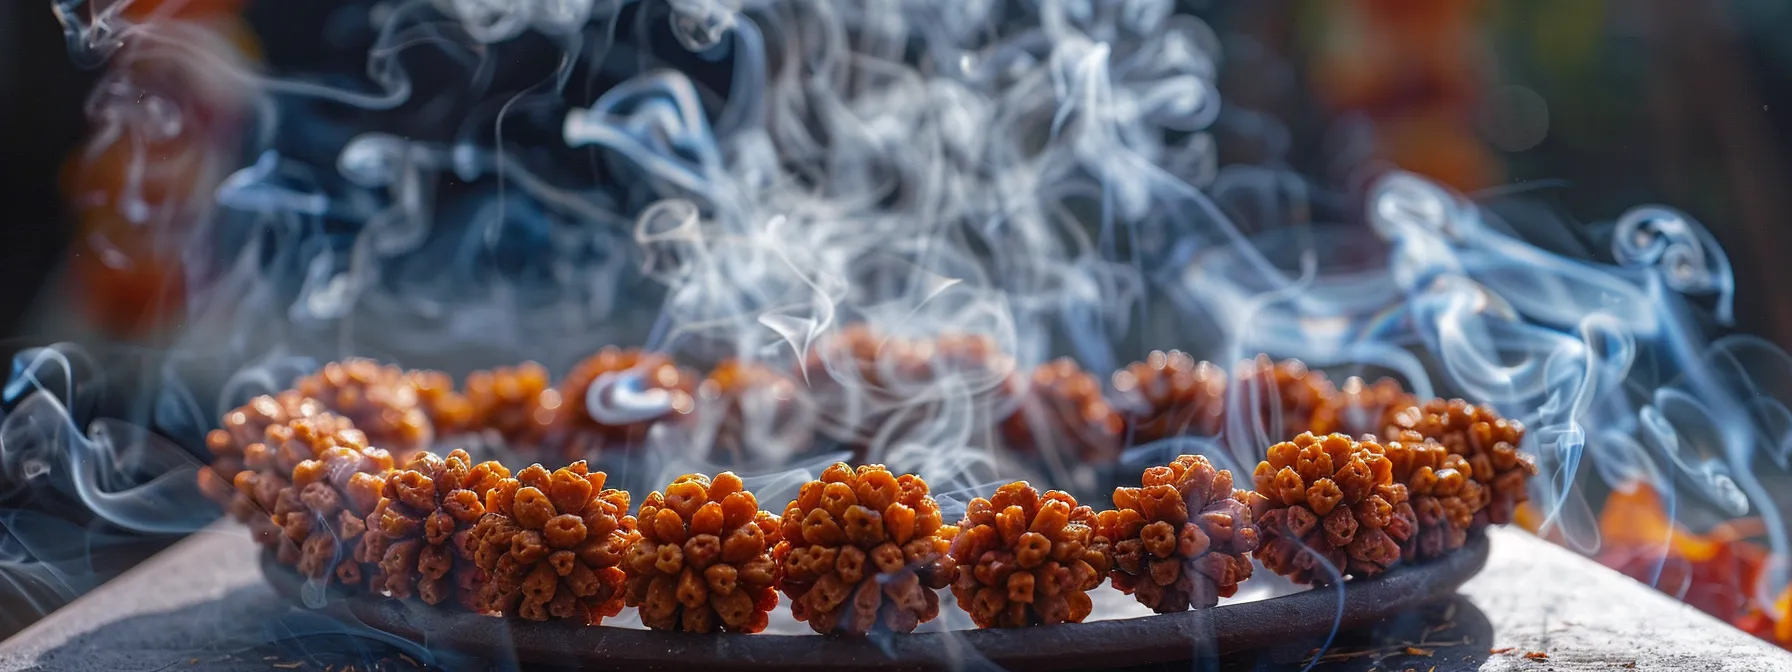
499,181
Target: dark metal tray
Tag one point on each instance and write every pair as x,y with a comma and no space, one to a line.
1164,638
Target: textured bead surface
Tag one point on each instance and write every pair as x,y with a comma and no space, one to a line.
449,411
551,545
1327,506
268,464
242,438
1170,394
381,399
323,509
864,549
755,414
704,561
1027,559
1063,412
516,402
577,433
1285,395
1487,441
1182,539
420,532
1358,408
1444,497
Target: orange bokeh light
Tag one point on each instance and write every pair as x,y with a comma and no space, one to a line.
1719,571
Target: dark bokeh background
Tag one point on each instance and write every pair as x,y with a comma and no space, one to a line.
40,121
1647,101
1579,108
1686,104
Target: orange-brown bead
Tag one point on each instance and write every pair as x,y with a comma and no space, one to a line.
577,433
1490,444
1170,394
1027,559
1444,497
267,464
449,411
1062,410
1182,539
322,512
864,550
551,545
382,400
755,413
1285,396
516,402
1327,507
420,532
239,441
703,562
1358,408
863,380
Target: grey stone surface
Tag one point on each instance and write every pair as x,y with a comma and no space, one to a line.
1542,598
203,605
200,605
202,579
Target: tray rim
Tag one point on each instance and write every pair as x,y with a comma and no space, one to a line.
1141,640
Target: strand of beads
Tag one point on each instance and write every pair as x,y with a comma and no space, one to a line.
860,549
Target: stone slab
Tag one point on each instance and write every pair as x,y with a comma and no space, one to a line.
1545,599
203,605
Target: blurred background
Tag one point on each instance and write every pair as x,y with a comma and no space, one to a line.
1559,112
1583,107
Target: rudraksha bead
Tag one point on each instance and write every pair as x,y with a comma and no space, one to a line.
860,378
1358,408
1182,539
420,533
1027,559
449,411
1285,391
703,562
868,385
324,508
552,545
756,414
1328,498
381,400
1444,497
1489,442
242,427
517,402
268,465
975,358
864,550
1170,394
578,433
1063,410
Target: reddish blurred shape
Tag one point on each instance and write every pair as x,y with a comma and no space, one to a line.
164,131
125,289
1414,69
138,11
1717,572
